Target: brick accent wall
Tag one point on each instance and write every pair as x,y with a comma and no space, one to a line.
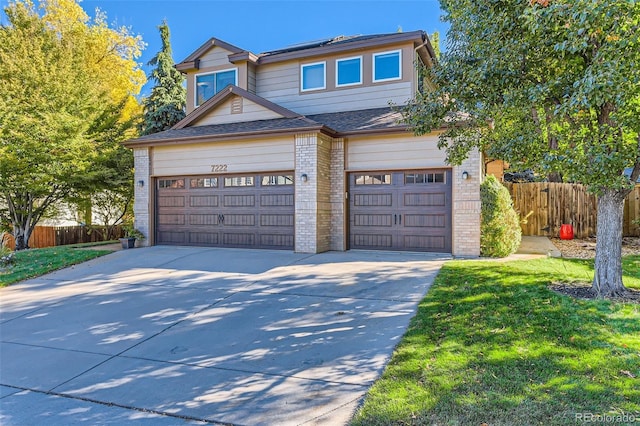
319,201
466,206
306,193
337,198
141,206
323,230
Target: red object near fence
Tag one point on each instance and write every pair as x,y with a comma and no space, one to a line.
566,232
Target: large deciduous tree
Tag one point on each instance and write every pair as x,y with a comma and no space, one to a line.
552,85
63,76
166,104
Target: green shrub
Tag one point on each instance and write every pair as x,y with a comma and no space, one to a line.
500,226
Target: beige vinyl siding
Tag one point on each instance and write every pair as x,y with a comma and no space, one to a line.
394,152
250,112
215,57
352,99
272,154
279,80
251,78
280,83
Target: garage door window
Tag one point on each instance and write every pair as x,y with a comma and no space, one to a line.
382,179
238,181
418,178
204,183
277,180
171,183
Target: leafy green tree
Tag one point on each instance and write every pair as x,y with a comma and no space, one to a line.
61,76
552,85
435,43
166,104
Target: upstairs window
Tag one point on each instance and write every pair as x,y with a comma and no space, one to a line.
209,84
313,76
349,71
387,66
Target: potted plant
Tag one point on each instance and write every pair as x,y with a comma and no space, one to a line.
131,234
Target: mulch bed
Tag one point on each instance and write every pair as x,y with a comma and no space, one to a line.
586,249
583,291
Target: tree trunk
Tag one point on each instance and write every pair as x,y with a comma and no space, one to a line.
607,280
21,236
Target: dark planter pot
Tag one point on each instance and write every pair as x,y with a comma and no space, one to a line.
128,243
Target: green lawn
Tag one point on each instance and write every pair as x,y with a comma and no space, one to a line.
491,344
35,262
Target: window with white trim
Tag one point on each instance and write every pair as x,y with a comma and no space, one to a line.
313,76
207,85
387,66
349,71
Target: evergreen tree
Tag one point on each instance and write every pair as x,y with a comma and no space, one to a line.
165,106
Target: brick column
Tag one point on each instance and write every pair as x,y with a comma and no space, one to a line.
338,190
323,230
141,202
306,195
466,206
313,197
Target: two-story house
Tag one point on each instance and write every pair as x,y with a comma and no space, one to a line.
299,149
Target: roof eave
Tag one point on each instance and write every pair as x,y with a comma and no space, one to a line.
134,143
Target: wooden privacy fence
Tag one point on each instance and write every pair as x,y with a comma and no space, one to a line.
50,236
554,204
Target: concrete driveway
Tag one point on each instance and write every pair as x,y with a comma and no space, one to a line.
181,335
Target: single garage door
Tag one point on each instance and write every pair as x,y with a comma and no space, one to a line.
408,210
248,211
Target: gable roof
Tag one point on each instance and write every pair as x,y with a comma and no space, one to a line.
220,97
192,60
337,124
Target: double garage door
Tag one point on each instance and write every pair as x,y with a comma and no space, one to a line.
247,211
400,210
407,210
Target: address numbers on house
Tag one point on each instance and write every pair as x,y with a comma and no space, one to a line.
218,168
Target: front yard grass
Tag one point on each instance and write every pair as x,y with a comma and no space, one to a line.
491,344
35,262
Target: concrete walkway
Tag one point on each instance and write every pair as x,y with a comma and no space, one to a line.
541,246
176,335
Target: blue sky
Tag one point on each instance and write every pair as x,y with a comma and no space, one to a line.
262,25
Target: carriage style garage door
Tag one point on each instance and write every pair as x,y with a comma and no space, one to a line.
248,211
409,210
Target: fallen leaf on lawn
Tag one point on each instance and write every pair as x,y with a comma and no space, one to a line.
628,374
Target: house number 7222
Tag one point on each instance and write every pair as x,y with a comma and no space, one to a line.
218,168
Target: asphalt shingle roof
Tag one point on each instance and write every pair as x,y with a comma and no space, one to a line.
339,122
361,120
230,129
